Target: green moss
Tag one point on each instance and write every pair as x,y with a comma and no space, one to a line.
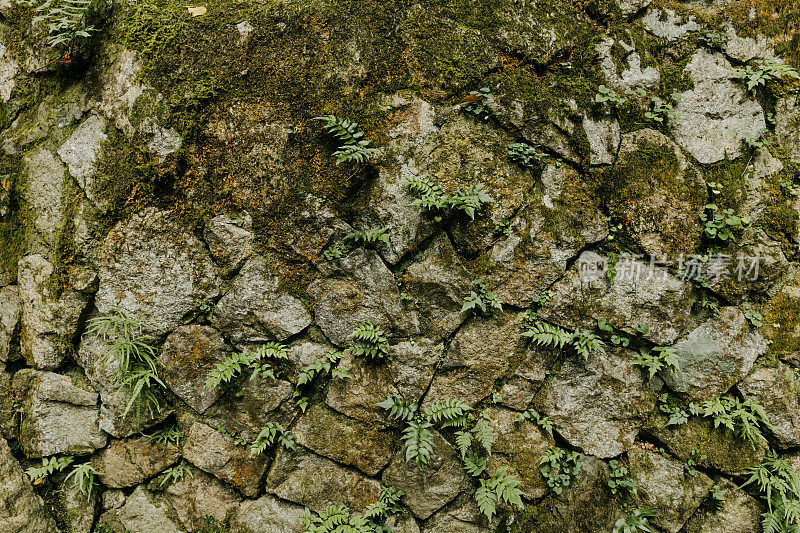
778,21
649,164
781,317
16,226
731,175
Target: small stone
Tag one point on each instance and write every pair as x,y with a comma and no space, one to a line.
79,508
188,356
668,25
230,240
603,137
357,396
58,416
316,482
739,513
662,484
412,365
219,455
142,512
10,314
125,463
715,356
257,308
80,152
631,7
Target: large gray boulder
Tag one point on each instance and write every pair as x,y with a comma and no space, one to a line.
777,389
21,509
481,352
717,112
267,513
598,405
544,237
153,266
188,356
715,356
80,152
49,322
257,308
437,283
58,417
218,454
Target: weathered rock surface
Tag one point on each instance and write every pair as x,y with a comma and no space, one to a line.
739,513
715,356
10,314
519,446
481,352
45,192
528,377
724,450
125,463
575,510
462,516
667,25
80,152
598,405
357,397
429,489
662,484
201,501
48,323
631,7
189,354
787,126
58,416
267,513
257,309
716,113
657,195
21,509
412,366
152,266
261,400
230,239
778,391
355,289
437,282
316,482
219,455
544,237
640,294
79,508
344,440
142,512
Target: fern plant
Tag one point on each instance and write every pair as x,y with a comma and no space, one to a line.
480,300
166,436
83,475
525,155
544,334
269,434
370,341
370,236
318,368
770,70
619,479
499,487
124,346
353,146
258,361
418,441
743,418
49,465
656,359
336,519
175,473
542,421
66,20
558,466
399,408
586,342
780,487
469,200
636,521
388,503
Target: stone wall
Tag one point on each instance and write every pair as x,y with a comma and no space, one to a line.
586,309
